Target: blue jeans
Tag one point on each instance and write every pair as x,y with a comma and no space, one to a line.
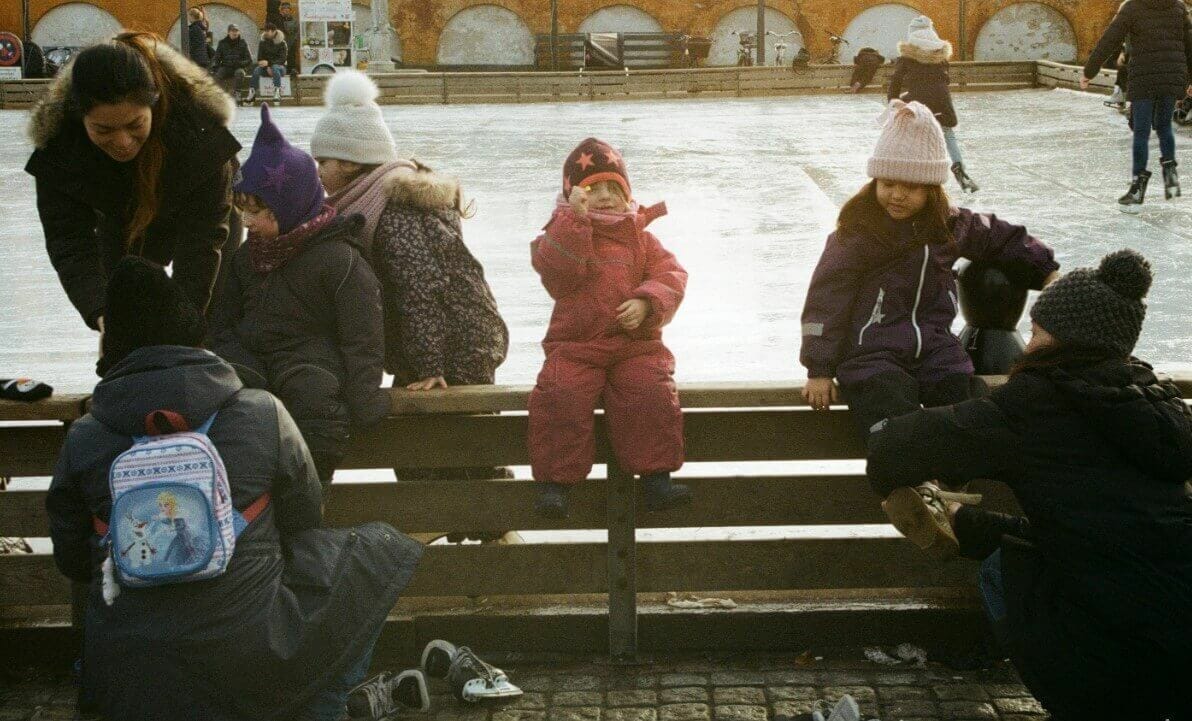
954,145
1155,112
330,704
278,71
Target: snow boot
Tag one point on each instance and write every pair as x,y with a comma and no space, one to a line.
552,500
966,183
662,495
1132,201
921,515
384,695
470,678
1171,179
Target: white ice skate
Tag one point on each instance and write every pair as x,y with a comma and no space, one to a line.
470,678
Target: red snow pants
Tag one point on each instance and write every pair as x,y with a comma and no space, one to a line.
635,381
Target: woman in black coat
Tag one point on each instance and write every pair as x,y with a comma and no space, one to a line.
1091,591
196,38
1160,66
133,156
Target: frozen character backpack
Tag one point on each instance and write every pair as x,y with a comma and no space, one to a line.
172,518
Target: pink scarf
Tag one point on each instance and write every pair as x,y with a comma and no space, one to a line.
269,255
367,195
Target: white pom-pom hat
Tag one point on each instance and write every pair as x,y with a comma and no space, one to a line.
353,128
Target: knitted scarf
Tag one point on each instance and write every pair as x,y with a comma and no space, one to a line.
267,255
367,195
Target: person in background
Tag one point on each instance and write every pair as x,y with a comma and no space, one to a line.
196,34
34,60
232,61
288,24
271,60
866,62
1089,590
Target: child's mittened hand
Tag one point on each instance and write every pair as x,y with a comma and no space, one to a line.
632,313
820,393
579,201
427,384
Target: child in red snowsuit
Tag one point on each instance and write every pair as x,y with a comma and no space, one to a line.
614,286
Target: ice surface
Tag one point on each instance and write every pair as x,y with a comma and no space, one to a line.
752,185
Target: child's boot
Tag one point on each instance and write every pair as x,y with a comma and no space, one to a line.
1171,179
921,515
1132,201
552,500
662,495
966,183
383,695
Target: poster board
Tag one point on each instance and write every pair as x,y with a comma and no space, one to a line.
326,27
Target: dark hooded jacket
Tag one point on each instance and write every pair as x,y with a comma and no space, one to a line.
273,51
922,75
311,332
196,34
83,196
1160,53
1098,576
232,54
297,605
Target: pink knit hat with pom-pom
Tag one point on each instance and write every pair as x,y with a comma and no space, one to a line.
911,148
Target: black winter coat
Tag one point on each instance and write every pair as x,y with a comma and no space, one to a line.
232,54
441,318
923,76
273,51
1160,37
298,603
196,34
83,195
1099,591
311,332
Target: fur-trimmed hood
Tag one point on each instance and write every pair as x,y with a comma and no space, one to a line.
423,188
194,82
911,51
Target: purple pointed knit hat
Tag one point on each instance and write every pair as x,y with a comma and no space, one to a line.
285,178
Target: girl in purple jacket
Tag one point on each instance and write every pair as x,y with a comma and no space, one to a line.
879,311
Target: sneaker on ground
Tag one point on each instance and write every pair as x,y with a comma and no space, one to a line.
470,678
384,695
921,515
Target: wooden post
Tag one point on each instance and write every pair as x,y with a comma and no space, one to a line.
554,34
26,22
622,566
962,30
761,33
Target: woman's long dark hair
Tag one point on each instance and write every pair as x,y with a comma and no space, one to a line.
1062,355
126,69
863,214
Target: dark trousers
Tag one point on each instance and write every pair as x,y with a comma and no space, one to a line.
230,79
1159,114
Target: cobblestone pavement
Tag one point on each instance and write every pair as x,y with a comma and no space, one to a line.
743,687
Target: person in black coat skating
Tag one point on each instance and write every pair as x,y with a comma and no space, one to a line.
1090,590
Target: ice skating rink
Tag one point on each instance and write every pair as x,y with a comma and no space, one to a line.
753,187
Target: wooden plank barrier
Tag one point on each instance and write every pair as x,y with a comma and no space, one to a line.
479,426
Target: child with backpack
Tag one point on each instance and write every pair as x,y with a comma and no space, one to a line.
921,74
300,310
614,287
882,300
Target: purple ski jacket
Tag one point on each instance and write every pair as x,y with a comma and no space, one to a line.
876,305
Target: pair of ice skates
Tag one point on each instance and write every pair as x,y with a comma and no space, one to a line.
471,680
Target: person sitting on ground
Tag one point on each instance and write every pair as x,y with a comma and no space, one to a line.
232,61
300,312
866,62
1089,591
442,326
287,630
882,299
271,60
615,286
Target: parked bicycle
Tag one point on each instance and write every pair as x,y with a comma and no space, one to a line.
747,43
780,45
834,57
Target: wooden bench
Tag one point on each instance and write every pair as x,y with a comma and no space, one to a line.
741,423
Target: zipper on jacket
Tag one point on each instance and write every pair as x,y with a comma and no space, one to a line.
918,296
874,317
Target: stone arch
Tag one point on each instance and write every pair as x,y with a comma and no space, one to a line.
620,19
1027,31
75,24
219,16
725,44
881,27
486,35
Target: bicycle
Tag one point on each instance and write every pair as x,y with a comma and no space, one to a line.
747,44
834,57
780,46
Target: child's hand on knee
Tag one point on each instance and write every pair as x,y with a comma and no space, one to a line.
820,393
632,313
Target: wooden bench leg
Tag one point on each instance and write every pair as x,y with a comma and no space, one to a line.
622,566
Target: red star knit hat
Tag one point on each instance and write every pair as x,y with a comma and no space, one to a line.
594,161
